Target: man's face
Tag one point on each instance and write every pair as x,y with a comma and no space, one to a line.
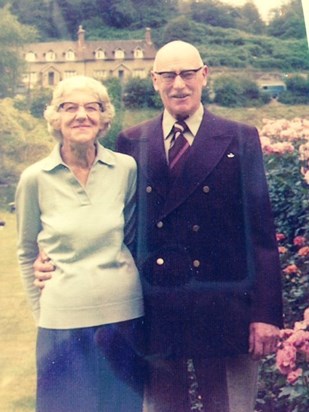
180,94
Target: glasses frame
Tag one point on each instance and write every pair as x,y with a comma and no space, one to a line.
61,109
182,74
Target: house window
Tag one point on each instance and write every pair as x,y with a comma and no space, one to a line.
70,55
141,73
119,54
50,56
51,78
100,54
30,78
69,73
100,74
138,53
30,57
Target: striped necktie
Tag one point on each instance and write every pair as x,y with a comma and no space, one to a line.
178,150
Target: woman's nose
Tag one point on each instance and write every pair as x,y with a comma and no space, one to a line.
81,111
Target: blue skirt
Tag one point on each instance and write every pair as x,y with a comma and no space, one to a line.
95,369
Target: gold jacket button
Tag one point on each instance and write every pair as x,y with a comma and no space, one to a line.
148,189
160,261
196,263
160,224
206,189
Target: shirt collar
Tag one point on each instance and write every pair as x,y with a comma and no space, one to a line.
54,159
193,122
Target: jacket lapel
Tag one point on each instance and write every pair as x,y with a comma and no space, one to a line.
153,159
209,146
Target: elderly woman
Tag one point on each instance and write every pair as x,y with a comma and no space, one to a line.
77,205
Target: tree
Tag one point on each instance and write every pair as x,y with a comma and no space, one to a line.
13,35
38,13
56,18
179,28
250,20
118,13
288,21
214,13
154,16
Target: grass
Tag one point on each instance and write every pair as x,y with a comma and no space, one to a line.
252,115
17,339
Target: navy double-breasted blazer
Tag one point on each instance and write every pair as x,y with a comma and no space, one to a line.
206,246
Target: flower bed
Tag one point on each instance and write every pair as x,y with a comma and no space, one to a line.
284,377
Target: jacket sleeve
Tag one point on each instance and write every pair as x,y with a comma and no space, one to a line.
260,234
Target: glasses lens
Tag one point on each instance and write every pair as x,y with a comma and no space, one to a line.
187,74
89,108
69,107
93,107
168,76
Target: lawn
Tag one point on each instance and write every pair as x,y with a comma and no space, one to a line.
251,115
17,339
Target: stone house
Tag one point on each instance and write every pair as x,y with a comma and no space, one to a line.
50,62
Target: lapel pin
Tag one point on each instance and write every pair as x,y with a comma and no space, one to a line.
230,155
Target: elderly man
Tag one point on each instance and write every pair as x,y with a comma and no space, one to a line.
206,245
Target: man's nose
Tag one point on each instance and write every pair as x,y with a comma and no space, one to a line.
178,81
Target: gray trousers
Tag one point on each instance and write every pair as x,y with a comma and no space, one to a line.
224,385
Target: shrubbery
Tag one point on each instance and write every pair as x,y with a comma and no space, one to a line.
139,93
284,378
35,101
238,92
23,140
115,91
297,91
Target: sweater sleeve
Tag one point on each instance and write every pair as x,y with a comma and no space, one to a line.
130,209
28,228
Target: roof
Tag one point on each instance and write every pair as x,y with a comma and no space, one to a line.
87,49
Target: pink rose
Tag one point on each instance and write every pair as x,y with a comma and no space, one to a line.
304,251
286,359
282,250
291,269
294,375
299,241
306,315
299,338
280,236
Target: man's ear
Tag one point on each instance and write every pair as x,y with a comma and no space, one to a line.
154,81
205,75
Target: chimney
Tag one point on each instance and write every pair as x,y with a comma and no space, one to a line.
148,36
81,38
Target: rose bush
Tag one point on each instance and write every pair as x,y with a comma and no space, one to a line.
286,152
284,377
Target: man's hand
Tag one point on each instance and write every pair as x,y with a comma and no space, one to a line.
263,339
43,270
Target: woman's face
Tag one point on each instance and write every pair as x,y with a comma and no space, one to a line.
80,117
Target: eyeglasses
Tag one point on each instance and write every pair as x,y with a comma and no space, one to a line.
91,107
186,75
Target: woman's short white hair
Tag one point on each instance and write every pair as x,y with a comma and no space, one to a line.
83,83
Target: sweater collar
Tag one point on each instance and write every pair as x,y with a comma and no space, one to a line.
54,159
